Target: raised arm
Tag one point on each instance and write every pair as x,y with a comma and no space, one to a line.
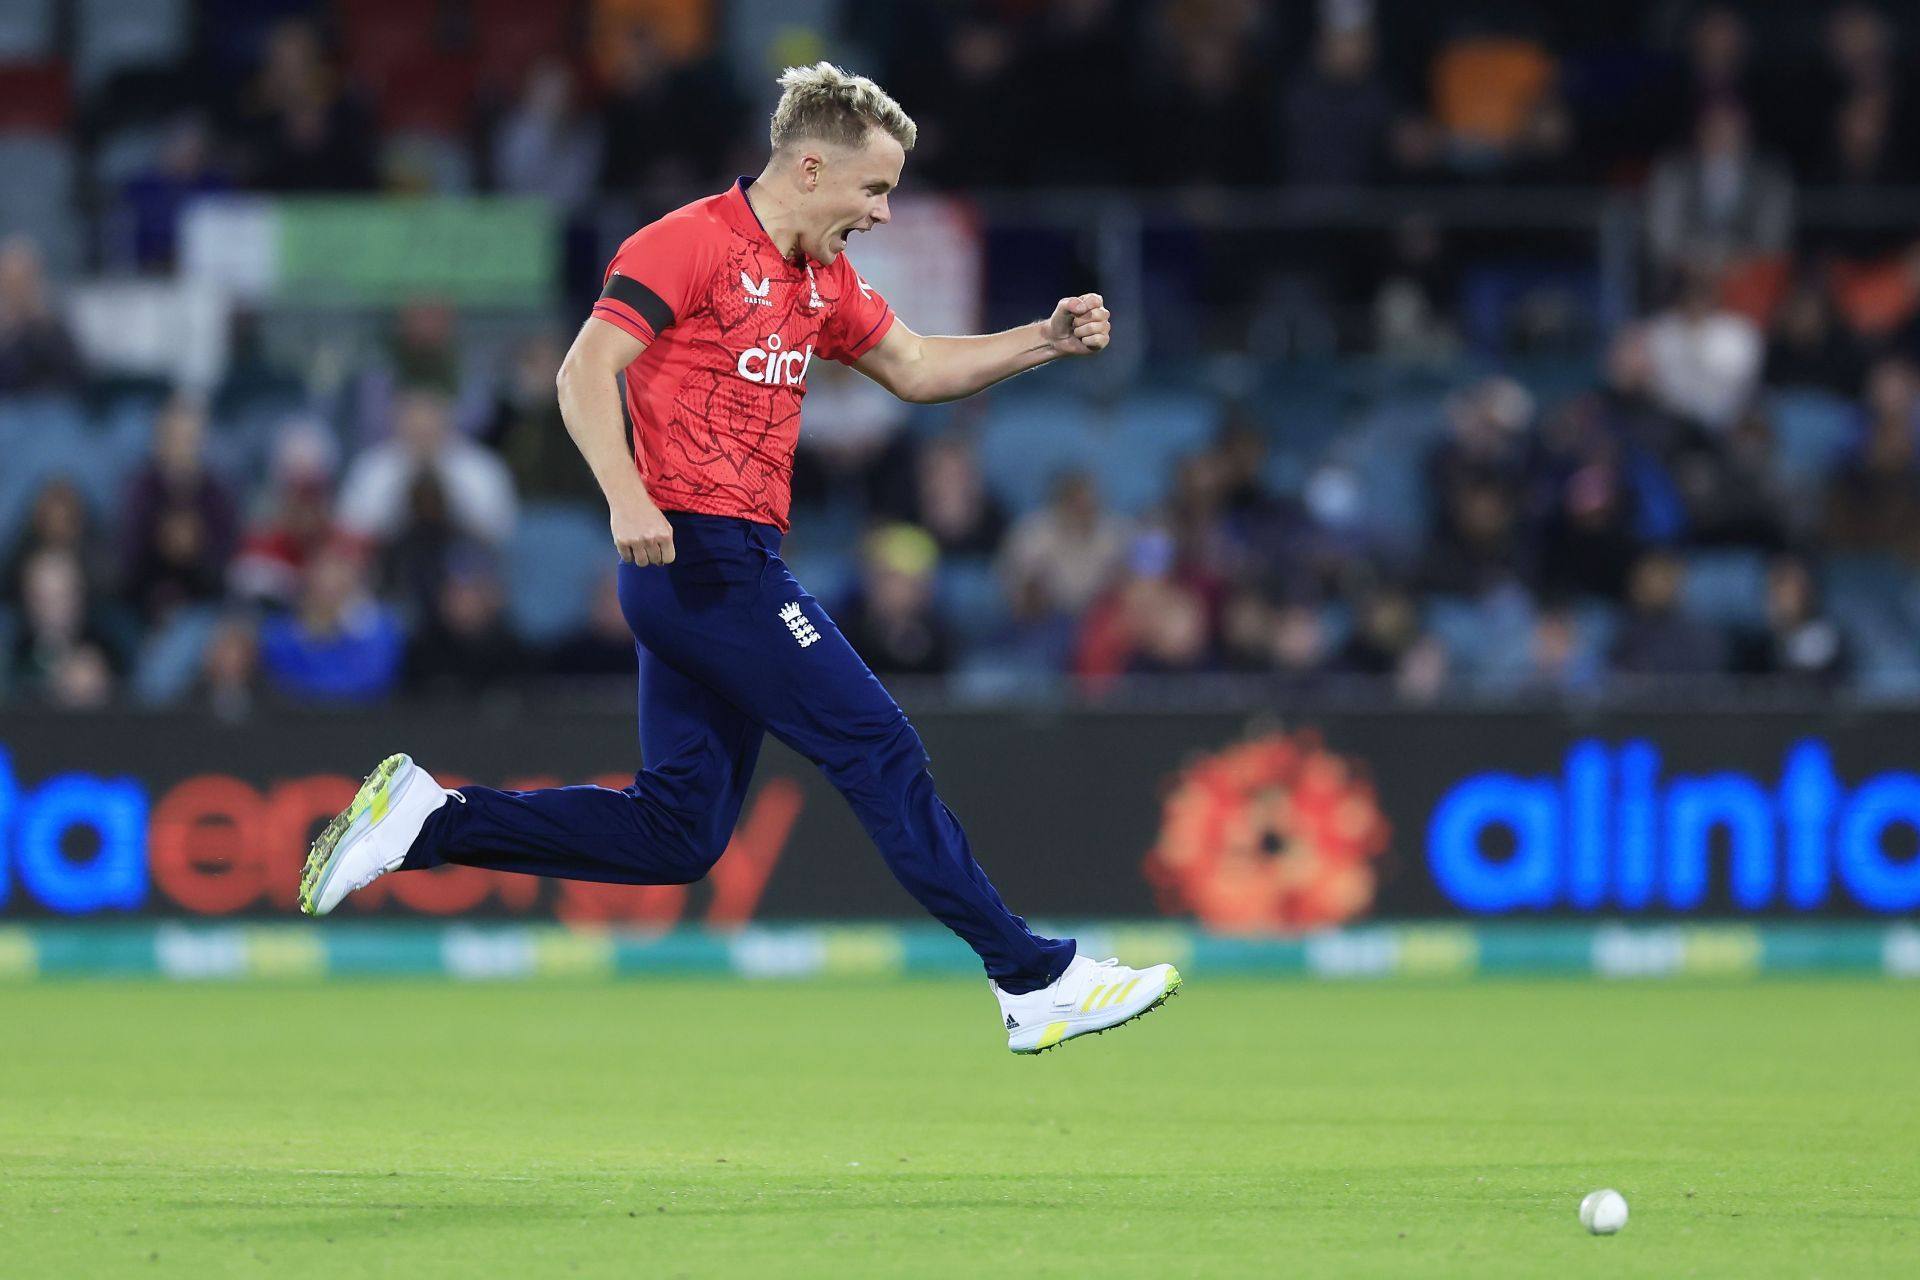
930,370
590,406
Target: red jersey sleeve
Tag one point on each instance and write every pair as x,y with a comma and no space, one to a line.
655,279
860,319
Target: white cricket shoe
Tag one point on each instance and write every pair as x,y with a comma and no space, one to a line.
369,837
1088,997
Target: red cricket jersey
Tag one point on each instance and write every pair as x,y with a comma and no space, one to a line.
731,328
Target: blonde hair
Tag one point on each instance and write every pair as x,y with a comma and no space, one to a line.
824,102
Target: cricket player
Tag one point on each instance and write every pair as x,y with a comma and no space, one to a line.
714,314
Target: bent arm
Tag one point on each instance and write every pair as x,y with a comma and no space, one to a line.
931,370
590,404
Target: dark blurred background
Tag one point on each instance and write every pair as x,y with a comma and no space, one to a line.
1477,351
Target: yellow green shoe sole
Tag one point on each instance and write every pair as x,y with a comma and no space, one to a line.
1167,993
372,798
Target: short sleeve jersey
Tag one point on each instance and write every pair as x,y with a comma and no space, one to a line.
731,329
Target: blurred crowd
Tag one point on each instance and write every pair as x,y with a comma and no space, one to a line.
1437,499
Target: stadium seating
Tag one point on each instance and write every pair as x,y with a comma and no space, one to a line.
558,554
1728,587
1811,429
36,198
169,657
111,35
26,30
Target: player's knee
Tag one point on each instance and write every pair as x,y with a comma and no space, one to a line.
888,749
700,847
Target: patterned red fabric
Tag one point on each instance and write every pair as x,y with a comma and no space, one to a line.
732,328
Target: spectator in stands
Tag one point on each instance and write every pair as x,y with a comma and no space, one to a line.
339,644
423,352
58,520
413,564
1478,478
1799,644
1337,115
62,653
646,84
178,524
1388,643
298,521
1863,83
1717,68
1059,559
37,355
947,496
546,145
1721,203
1203,120
1871,267
1151,623
1206,556
891,620
969,139
526,429
154,197
1590,541
377,494
303,130
1809,346
1289,641
230,676
1656,638
1706,359
1559,662
1728,488
1495,98
464,646
604,646
1416,302
1873,504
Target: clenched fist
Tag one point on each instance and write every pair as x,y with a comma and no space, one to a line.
641,533
1080,326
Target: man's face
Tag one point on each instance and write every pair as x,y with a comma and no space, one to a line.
849,193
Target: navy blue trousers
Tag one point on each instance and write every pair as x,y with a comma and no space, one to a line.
732,647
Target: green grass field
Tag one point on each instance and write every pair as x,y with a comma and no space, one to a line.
715,1128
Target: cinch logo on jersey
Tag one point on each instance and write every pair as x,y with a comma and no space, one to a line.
798,623
774,367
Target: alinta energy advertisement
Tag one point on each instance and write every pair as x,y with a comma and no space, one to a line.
1265,826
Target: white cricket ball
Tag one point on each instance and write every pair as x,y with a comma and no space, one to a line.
1603,1212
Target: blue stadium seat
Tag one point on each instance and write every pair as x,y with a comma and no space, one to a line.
1028,439
40,440
26,30
1864,593
111,35
1462,628
1812,430
170,656
1140,443
126,153
971,599
36,196
1727,587
557,556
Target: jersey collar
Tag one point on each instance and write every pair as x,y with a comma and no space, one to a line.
741,212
